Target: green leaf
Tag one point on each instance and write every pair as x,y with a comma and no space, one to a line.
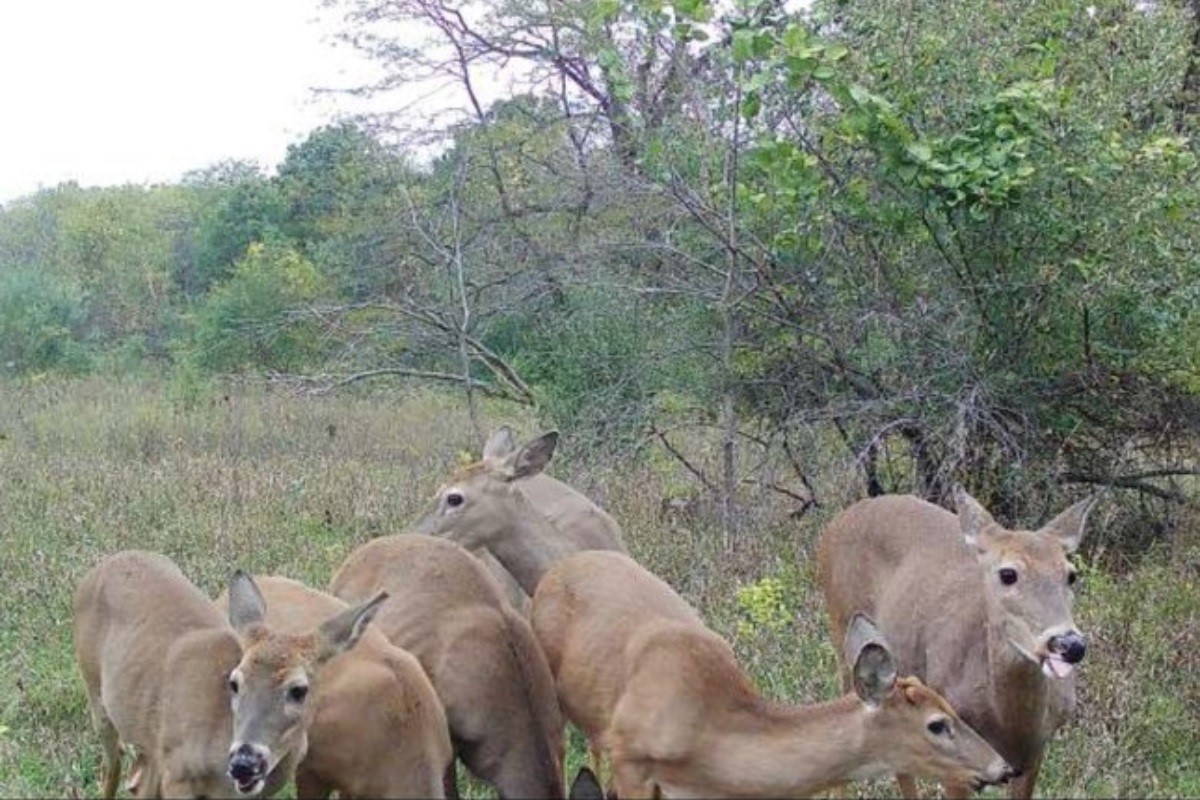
743,44
751,105
919,151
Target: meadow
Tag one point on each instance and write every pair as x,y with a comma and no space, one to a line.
241,476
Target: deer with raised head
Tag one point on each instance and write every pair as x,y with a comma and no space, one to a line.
378,728
980,613
479,653
159,661
270,686
663,697
507,505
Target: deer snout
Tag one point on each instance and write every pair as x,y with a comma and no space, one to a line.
248,766
1071,647
999,772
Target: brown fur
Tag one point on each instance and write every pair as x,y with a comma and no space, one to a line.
481,656
663,696
908,565
515,512
378,728
155,656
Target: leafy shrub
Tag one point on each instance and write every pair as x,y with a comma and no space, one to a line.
40,320
243,323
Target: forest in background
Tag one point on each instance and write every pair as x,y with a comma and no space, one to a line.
957,243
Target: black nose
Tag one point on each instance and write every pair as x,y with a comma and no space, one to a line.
1071,646
245,765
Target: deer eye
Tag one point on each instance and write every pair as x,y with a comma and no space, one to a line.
1072,577
939,727
297,693
454,499
233,685
1008,576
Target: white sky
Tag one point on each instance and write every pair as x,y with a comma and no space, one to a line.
134,91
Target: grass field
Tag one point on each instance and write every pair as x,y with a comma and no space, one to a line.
279,484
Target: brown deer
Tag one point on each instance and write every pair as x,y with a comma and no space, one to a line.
378,728
982,614
506,504
270,686
664,698
479,653
156,658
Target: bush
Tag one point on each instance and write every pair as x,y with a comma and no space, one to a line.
243,324
40,317
598,361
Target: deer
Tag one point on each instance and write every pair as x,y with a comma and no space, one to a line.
506,505
480,654
663,697
159,663
979,612
378,728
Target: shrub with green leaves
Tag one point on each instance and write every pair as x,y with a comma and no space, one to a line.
254,319
41,317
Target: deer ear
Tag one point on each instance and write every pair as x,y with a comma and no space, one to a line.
246,604
874,669
499,444
343,630
972,517
530,459
585,786
1068,526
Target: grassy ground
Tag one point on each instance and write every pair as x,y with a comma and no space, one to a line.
290,485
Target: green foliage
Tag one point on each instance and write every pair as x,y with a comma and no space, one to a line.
41,317
765,605
596,362
243,322
242,207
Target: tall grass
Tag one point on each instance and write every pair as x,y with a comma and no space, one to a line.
217,478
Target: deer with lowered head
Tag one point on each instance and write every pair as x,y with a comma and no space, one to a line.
980,612
663,697
480,654
159,663
378,728
506,506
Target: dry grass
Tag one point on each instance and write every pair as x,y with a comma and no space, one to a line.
287,485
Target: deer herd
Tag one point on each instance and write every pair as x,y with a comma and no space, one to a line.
513,608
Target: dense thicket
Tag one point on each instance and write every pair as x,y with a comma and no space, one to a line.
960,242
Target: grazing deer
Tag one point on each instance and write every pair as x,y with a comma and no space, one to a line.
507,505
378,728
664,698
155,657
479,653
982,614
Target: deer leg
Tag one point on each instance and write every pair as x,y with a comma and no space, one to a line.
450,780
956,790
110,746
596,759
908,786
1022,788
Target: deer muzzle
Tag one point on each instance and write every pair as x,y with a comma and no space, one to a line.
248,766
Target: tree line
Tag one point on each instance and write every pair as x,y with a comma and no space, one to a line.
959,241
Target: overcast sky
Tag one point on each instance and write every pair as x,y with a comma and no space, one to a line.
113,91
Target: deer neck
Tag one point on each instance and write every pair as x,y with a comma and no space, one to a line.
530,546
778,750
1018,690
